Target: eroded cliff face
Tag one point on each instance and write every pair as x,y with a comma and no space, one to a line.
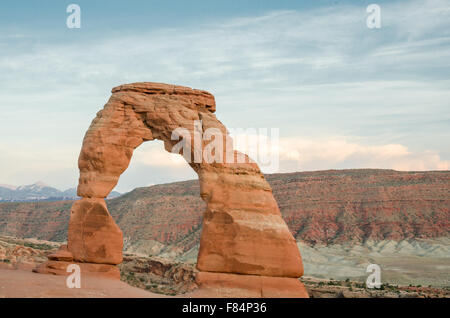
322,207
243,231
358,205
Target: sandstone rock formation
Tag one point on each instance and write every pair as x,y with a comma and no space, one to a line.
243,231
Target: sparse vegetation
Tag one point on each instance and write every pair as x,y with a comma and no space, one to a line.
36,246
347,288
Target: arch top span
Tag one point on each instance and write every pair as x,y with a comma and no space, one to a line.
243,231
203,98
136,113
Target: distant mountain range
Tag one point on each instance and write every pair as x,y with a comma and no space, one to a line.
39,191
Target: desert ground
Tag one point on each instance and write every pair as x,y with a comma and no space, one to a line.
150,277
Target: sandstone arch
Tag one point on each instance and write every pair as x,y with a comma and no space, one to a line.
243,232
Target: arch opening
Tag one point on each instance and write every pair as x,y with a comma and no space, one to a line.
150,165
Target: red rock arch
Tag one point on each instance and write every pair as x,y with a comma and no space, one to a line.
243,231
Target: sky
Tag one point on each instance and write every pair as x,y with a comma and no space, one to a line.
341,95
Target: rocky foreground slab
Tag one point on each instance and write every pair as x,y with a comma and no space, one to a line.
22,283
157,277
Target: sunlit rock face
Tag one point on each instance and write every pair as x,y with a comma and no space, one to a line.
243,231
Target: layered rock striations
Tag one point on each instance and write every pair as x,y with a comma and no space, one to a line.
243,231
363,205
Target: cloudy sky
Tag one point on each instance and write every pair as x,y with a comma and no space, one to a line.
342,95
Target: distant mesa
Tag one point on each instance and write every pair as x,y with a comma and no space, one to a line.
320,207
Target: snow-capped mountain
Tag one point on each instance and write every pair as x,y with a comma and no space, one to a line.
38,186
39,191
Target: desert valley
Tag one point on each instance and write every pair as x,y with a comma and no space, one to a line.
342,220
234,155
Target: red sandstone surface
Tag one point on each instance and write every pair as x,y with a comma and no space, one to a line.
20,283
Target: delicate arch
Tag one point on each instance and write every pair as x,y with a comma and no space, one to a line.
243,231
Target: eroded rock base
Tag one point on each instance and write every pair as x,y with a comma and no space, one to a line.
59,261
223,285
91,269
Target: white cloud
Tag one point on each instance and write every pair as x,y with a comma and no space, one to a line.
311,73
154,154
334,152
305,153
